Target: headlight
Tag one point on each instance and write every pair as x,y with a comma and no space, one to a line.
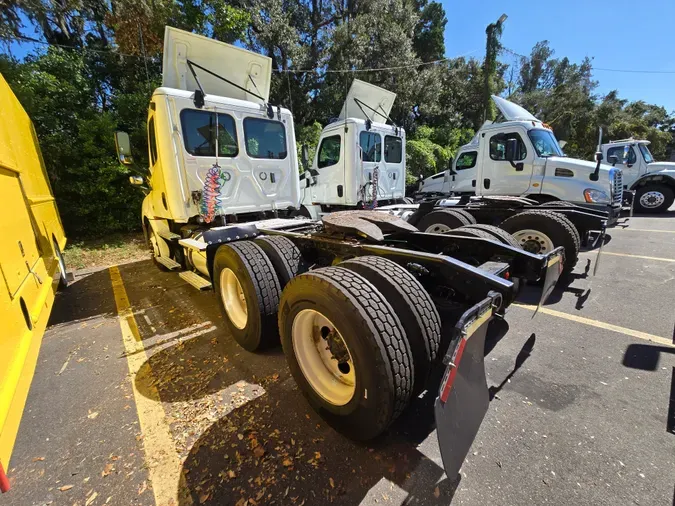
596,196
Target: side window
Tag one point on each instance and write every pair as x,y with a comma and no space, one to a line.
466,160
199,133
265,138
329,151
618,152
152,141
498,146
371,144
393,149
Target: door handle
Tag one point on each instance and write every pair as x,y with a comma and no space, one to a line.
473,183
486,183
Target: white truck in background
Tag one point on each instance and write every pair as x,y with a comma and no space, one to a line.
520,156
653,182
360,159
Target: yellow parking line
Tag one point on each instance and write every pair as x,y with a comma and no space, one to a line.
161,457
644,230
602,325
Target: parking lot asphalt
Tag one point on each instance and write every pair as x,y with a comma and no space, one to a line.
141,397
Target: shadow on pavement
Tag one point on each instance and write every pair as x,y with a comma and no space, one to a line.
88,297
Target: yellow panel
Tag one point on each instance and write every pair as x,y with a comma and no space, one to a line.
28,230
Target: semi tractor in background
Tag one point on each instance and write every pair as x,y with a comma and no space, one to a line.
31,262
518,155
363,303
653,183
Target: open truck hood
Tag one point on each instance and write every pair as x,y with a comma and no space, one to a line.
238,65
374,97
511,111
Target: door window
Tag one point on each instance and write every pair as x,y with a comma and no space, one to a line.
329,151
199,133
371,145
152,141
646,153
498,146
393,149
265,138
466,160
618,152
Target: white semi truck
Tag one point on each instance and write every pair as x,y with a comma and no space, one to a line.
519,155
653,182
364,305
360,159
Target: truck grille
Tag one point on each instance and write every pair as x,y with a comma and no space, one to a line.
617,193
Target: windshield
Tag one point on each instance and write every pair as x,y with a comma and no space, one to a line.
545,143
645,153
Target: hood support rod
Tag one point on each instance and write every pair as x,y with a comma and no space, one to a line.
192,64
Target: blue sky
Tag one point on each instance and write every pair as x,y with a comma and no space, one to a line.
618,35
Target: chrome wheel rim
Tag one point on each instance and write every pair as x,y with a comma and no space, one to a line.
234,300
534,241
437,228
652,199
323,357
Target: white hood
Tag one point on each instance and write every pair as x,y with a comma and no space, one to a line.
668,167
581,167
238,65
373,96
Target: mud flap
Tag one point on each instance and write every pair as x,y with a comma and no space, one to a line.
463,397
554,268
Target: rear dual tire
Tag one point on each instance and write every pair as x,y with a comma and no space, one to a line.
375,370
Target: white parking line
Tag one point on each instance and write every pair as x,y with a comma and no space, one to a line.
602,325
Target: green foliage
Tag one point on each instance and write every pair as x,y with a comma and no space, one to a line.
429,150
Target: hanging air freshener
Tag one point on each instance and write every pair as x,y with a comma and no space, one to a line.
213,184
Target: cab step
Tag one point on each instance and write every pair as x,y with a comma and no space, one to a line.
170,264
168,235
195,280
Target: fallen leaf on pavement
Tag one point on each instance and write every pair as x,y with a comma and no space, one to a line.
36,459
92,415
332,483
91,499
437,492
107,470
65,487
287,462
231,474
258,451
143,487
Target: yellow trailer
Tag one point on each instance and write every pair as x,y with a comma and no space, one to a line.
31,263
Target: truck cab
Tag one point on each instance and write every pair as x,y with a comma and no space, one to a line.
360,159
519,155
653,182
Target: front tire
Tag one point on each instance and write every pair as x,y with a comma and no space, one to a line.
653,199
63,273
542,231
248,292
373,370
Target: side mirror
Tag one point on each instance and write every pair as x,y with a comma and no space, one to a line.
421,178
305,157
626,151
511,149
613,159
123,146
136,180
450,162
